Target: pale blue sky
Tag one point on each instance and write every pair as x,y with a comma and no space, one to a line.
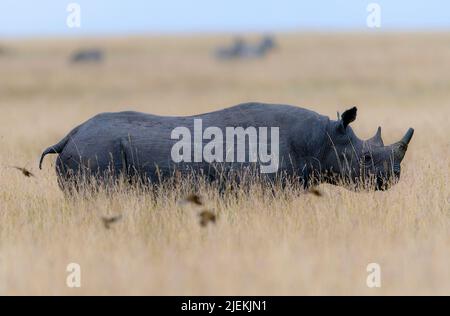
48,17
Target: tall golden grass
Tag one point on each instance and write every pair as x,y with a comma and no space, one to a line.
260,244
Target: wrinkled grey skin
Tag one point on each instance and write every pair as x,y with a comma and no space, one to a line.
312,147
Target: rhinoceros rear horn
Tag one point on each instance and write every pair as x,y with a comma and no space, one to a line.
377,140
401,146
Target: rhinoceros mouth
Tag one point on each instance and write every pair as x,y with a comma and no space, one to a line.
381,184
384,183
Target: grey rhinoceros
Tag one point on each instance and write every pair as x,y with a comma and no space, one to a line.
301,145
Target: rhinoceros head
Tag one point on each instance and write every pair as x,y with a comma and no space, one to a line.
362,163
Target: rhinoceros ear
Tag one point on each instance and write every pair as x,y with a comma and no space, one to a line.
348,116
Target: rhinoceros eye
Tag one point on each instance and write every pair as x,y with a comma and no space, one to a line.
367,158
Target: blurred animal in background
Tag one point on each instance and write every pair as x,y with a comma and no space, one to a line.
242,50
267,44
4,51
234,51
87,56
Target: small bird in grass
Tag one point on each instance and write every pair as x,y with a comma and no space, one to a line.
107,221
24,171
195,199
315,191
207,216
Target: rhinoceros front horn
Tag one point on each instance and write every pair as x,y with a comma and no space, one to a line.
407,138
401,146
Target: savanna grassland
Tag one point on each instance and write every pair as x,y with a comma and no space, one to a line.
260,245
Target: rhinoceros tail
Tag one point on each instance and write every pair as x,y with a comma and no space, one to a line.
57,148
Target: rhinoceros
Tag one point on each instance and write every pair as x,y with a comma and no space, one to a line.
301,145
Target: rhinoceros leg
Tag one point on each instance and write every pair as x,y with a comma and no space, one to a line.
68,179
130,167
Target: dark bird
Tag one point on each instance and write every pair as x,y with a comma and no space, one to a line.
315,192
194,198
24,171
207,216
107,221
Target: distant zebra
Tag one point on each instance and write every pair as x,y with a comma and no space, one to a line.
267,44
240,49
232,52
88,55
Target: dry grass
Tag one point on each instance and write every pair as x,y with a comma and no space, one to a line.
292,244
